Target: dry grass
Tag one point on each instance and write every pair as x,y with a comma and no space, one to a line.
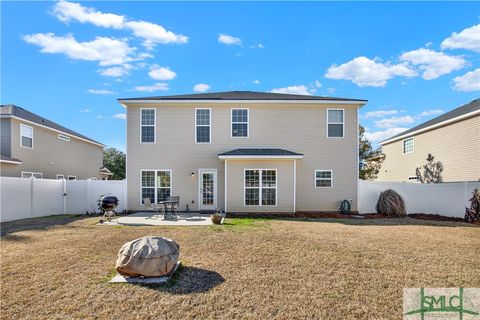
57,268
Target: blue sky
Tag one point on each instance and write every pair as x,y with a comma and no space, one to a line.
70,61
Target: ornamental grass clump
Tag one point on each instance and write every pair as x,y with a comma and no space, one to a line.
391,204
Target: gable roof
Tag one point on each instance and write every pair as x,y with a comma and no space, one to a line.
16,111
260,153
463,110
242,95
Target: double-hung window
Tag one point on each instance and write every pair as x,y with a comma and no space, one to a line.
202,125
147,124
240,123
260,187
26,136
36,175
323,179
335,123
156,185
408,145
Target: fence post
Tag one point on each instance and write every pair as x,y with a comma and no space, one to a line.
64,183
87,203
31,196
465,194
125,194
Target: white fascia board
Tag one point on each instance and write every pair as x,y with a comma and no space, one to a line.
260,157
124,103
433,126
11,162
49,128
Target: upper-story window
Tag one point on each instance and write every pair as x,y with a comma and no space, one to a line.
63,137
26,136
408,145
239,122
335,123
147,124
202,125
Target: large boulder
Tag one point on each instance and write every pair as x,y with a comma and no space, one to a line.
148,257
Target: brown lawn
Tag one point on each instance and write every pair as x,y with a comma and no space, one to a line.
58,268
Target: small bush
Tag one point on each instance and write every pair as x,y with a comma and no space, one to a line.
391,204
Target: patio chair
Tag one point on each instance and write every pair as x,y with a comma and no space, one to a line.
174,203
149,206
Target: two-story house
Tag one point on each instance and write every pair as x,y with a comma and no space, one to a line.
452,138
32,146
243,152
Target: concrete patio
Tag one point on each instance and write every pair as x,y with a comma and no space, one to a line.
146,218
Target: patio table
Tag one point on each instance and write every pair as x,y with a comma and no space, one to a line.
169,205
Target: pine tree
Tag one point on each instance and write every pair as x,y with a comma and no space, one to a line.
432,171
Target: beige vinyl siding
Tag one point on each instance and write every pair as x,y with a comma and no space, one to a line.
235,186
296,127
51,156
456,145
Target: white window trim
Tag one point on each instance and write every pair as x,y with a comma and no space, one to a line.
63,137
155,184
60,175
315,178
342,123
21,145
260,188
70,176
413,145
154,125
247,123
203,125
31,173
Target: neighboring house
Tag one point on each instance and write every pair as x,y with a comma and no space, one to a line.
243,151
452,138
32,146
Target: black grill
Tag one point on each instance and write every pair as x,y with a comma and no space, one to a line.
109,203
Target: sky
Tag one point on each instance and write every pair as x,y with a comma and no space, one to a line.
70,61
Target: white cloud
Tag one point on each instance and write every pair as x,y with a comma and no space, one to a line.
107,51
470,81
431,112
377,136
229,40
151,33
68,11
201,87
467,39
433,64
318,84
86,110
155,87
161,73
331,90
257,46
365,72
100,91
99,117
256,81
121,116
117,71
298,89
394,122
379,114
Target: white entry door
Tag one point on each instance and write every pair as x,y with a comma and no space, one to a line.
207,189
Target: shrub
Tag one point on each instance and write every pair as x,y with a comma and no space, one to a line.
391,204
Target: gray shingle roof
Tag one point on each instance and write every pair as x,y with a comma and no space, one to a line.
7,158
19,112
466,108
242,95
260,152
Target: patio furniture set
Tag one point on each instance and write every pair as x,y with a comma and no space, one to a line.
167,208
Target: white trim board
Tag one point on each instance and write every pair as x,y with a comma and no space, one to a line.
170,102
260,157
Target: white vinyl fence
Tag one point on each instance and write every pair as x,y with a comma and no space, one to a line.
29,197
446,199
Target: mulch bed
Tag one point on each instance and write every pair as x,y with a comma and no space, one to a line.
435,217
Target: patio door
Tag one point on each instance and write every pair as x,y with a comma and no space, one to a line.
207,189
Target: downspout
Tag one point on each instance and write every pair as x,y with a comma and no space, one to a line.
225,192
294,185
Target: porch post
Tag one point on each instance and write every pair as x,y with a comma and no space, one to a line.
294,185
225,193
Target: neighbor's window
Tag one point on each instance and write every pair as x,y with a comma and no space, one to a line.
26,136
36,175
261,187
323,178
335,123
147,126
60,177
156,185
72,177
63,137
408,145
202,126
239,122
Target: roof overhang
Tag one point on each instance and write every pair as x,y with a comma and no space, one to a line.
11,161
440,124
260,157
7,116
124,102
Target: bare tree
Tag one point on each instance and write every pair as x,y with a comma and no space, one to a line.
432,171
